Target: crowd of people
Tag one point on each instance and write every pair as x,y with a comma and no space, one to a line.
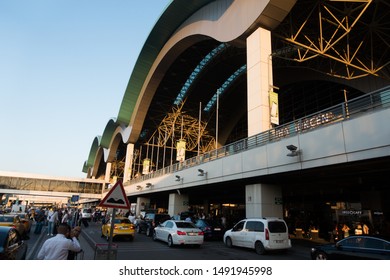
52,217
63,229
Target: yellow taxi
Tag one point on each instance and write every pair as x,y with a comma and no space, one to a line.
122,227
13,220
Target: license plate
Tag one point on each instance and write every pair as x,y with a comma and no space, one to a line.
124,227
191,233
217,229
279,241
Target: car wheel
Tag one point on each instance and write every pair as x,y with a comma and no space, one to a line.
259,248
228,242
170,241
139,229
321,256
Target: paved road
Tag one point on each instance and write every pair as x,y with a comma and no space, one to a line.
144,248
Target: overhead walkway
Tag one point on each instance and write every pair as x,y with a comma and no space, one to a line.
49,189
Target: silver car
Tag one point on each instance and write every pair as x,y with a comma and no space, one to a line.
178,233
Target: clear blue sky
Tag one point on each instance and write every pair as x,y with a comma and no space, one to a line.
64,67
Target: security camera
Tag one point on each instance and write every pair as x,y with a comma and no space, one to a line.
292,148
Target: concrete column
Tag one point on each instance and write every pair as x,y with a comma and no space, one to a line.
128,162
142,202
259,80
108,172
177,203
263,200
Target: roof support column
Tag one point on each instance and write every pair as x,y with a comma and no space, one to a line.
108,172
259,79
128,162
263,200
177,203
142,204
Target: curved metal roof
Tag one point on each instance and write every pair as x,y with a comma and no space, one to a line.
174,15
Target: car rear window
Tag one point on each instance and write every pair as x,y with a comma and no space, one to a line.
122,221
149,216
213,223
277,227
185,225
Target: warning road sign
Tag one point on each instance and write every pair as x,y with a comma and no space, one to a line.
116,198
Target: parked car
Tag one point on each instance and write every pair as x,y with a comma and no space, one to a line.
12,247
178,233
263,235
122,227
355,247
150,221
13,220
212,229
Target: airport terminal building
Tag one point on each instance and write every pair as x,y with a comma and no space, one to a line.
248,108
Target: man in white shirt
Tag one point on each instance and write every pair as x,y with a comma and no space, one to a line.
131,217
57,248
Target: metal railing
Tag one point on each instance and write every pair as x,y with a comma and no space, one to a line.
341,112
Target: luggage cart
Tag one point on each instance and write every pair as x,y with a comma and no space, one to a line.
102,253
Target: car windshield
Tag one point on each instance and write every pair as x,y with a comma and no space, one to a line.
277,227
185,225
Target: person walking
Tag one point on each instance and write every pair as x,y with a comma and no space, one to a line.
58,247
52,221
39,221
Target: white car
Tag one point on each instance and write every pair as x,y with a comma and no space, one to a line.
178,233
263,235
86,213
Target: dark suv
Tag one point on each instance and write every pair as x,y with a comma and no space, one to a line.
150,221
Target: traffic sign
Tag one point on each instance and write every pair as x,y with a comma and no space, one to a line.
116,198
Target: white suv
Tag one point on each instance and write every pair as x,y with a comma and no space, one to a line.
260,234
86,213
